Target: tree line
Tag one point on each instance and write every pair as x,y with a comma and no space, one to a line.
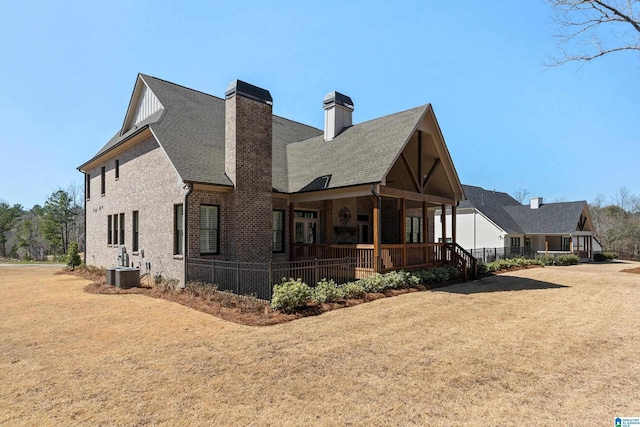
44,231
617,221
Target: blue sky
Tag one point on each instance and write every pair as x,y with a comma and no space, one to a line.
67,70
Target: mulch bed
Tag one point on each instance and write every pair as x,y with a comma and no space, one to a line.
244,311
632,270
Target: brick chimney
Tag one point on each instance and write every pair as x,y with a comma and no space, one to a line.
338,111
248,153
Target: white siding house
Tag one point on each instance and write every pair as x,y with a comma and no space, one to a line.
491,224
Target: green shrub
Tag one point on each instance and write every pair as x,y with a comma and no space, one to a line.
326,291
373,283
73,256
399,279
482,268
610,255
353,290
545,260
509,263
427,277
567,260
289,295
599,257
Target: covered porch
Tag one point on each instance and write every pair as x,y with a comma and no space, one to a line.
579,244
386,222
384,230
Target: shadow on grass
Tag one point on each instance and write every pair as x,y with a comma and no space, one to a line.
498,284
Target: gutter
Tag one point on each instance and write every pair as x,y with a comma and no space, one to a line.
185,219
125,139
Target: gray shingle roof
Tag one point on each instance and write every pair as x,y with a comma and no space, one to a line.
192,123
515,218
362,153
492,205
550,218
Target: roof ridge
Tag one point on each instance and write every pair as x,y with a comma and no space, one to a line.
297,122
425,106
181,86
222,99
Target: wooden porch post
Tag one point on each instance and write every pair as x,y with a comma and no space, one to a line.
291,234
403,232
376,235
443,216
329,223
425,231
453,225
571,243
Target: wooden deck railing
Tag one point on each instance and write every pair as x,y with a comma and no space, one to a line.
393,256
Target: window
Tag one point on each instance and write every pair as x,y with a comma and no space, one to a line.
87,186
449,240
527,242
109,230
102,180
305,226
178,230
413,229
209,221
115,229
566,243
117,169
134,232
122,229
515,242
277,230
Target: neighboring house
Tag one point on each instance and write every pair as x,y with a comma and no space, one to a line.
193,176
489,219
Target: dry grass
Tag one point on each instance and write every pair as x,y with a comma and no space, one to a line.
552,346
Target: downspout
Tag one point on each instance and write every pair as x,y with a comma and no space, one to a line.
189,188
379,225
85,218
474,229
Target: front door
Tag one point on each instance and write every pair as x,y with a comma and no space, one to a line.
306,226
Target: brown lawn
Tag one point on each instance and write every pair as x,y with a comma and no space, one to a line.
552,346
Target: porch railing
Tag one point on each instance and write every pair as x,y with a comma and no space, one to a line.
257,279
463,259
394,256
354,262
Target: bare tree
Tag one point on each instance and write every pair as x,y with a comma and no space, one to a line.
594,28
599,201
635,205
521,195
76,195
623,198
